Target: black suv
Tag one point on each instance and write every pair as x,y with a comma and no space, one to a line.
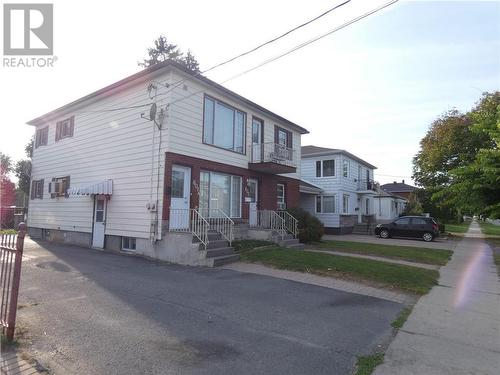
422,227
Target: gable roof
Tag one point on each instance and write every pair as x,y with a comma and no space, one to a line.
143,74
398,187
312,151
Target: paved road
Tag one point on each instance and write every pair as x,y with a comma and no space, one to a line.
98,313
455,329
438,243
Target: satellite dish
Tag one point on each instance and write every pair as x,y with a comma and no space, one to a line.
152,112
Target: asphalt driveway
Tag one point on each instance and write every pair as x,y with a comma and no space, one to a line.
90,312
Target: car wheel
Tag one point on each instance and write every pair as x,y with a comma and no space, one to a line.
427,237
384,233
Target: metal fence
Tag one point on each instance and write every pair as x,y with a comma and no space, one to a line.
11,253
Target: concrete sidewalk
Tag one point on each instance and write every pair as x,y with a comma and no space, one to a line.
455,329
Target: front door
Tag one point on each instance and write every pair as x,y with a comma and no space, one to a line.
99,222
253,195
180,197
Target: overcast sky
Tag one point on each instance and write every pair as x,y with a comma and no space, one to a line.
372,88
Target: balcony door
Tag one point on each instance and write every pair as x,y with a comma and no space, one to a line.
257,136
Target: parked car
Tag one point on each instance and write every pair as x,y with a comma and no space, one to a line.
425,228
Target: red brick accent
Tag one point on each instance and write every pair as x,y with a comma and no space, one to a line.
267,183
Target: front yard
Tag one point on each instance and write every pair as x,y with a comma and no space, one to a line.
408,253
457,228
490,229
408,279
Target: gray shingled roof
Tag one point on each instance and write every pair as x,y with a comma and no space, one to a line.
398,187
312,151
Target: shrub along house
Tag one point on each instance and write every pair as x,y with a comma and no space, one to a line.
158,158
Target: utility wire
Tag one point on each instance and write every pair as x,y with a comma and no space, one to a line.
300,46
178,83
276,38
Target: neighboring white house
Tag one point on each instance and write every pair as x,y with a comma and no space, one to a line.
164,151
388,206
339,188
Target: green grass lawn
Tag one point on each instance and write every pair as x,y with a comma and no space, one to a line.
457,228
366,364
408,253
394,276
490,229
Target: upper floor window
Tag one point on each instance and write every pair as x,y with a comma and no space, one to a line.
345,168
41,136
65,128
325,168
59,187
282,137
223,126
37,189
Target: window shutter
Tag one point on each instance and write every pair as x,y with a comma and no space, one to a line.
51,188
41,188
66,186
32,192
45,135
289,139
318,168
58,130
37,138
71,128
276,134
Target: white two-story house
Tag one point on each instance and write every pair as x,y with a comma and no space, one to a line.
338,188
145,164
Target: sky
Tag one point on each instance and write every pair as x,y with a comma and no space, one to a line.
372,88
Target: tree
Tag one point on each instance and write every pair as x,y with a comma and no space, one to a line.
5,164
459,160
476,186
413,207
22,171
7,192
163,51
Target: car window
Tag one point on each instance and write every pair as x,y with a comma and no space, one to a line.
403,221
418,221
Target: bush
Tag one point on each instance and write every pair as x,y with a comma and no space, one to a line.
310,228
441,227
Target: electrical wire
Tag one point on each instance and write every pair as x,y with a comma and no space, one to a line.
296,48
178,83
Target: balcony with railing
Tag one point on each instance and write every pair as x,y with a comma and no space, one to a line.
366,186
272,158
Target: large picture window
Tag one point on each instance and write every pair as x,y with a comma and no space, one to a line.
325,204
220,191
223,126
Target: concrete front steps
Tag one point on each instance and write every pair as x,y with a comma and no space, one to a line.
289,242
368,229
218,251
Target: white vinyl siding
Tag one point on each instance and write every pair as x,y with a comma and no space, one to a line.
125,147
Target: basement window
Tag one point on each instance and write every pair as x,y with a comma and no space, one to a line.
128,243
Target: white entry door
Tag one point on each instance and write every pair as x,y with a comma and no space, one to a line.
179,197
253,194
99,222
